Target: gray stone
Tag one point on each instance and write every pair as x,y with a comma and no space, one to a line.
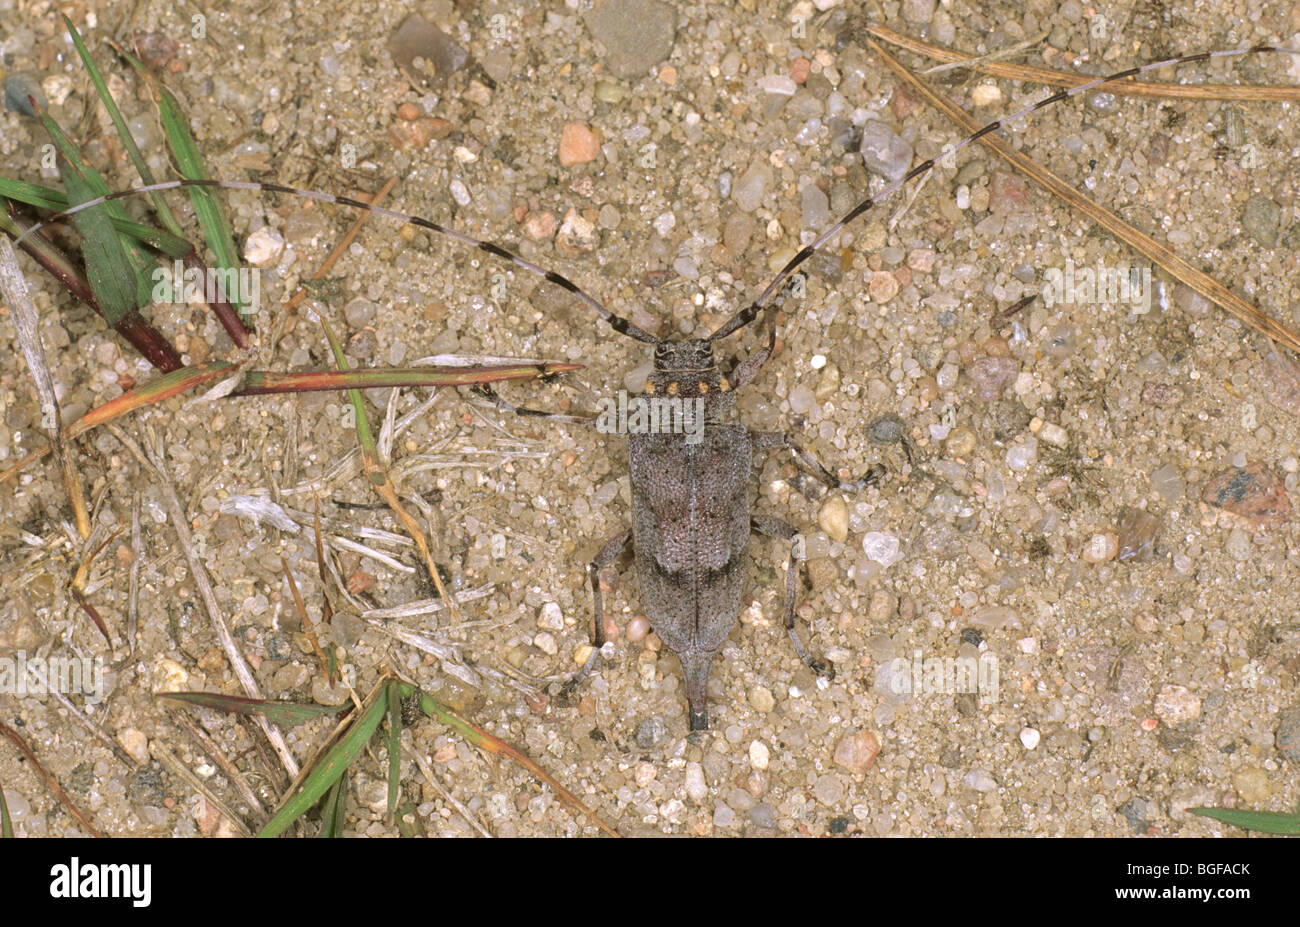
637,34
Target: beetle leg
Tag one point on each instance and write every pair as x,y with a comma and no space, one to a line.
783,530
775,440
607,554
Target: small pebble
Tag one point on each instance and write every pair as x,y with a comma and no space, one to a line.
883,286
1137,533
1262,218
416,39
539,226
960,442
986,95
918,11
696,788
651,733
578,144
545,642
263,247
749,189
576,233
884,151
415,136
1279,375
981,780
857,752
834,518
761,699
1166,481
828,790
1160,394
18,87
888,429
921,260
1008,194
1254,492
989,376
881,547
636,34
1287,736
882,607
135,743
759,756
779,84
1054,434
1175,705
1101,548
550,618
1029,737
1253,785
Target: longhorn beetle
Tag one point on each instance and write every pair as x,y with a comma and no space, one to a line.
691,513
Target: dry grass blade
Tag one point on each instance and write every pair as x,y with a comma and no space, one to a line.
50,781
178,769
329,261
199,573
427,771
261,382
485,741
1000,55
1063,79
204,740
306,619
377,474
1176,266
78,585
166,386
27,324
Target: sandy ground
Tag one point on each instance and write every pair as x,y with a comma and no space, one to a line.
1126,691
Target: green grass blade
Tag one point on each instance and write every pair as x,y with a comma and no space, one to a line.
287,714
33,194
408,820
331,767
207,207
6,825
46,198
132,150
334,809
113,257
108,267
1267,822
365,437
394,748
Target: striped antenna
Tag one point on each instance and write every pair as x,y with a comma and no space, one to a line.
626,326
618,323
751,312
